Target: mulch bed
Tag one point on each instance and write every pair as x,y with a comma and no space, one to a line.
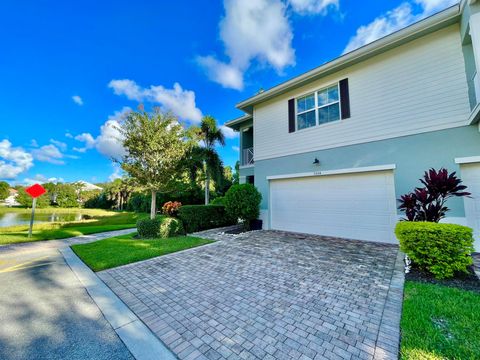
462,281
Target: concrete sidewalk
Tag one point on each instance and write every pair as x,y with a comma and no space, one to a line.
46,312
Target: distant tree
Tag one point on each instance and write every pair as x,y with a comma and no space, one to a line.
236,174
26,200
66,196
4,190
226,181
154,144
86,195
119,192
204,157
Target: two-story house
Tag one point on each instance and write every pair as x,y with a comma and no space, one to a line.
332,149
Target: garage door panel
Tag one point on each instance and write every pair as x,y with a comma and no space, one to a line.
358,206
471,178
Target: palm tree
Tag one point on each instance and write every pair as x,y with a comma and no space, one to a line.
203,156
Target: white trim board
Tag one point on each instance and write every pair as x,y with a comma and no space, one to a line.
467,160
334,172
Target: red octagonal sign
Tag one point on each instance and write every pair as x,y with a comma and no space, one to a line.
35,190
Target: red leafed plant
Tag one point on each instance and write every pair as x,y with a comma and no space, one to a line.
171,208
428,203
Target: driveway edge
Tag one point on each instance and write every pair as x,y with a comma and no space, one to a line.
136,336
388,340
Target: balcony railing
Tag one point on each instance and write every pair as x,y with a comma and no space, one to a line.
476,83
247,157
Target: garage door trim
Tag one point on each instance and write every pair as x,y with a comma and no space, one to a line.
334,172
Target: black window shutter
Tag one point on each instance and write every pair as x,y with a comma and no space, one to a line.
291,115
345,99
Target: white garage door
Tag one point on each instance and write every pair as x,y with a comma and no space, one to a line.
470,175
355,206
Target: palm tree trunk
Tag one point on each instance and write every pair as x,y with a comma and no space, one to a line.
153,205
207,189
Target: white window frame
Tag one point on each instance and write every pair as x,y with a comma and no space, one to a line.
316,108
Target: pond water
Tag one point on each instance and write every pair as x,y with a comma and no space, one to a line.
15,218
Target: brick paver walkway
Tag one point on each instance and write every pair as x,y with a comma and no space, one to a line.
270,295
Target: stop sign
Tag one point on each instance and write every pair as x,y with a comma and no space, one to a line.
35,190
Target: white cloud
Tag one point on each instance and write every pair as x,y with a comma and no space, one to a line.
13,160
393,20
48,153
61,145
228,132
432,6
33,143
181,102
251,30
305,7
236,148
227,75
68,135
109,142
86,138
77,100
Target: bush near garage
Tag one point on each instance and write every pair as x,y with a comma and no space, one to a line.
441,249
171,227
203,217
243,202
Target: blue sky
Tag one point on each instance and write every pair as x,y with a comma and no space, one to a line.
70,70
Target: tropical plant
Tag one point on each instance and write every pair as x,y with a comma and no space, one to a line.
119,192
243,202
204,158
154,144
428,203
170,208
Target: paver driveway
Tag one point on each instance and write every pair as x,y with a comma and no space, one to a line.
269,295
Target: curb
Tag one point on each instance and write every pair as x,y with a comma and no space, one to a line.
388,340
136,336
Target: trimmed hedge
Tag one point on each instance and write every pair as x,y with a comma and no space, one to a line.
441,249
171,227
149,228
242,201
203,217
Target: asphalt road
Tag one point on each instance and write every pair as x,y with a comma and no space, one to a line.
45,313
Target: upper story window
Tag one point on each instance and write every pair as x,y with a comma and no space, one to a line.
318,108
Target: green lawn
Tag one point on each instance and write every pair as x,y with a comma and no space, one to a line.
440,322
101,221
122,250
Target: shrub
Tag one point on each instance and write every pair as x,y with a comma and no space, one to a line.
441,249
171,208
171,227
428,203
243,202
149,228
203,217
218,201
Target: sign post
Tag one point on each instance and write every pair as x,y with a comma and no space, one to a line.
34,191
